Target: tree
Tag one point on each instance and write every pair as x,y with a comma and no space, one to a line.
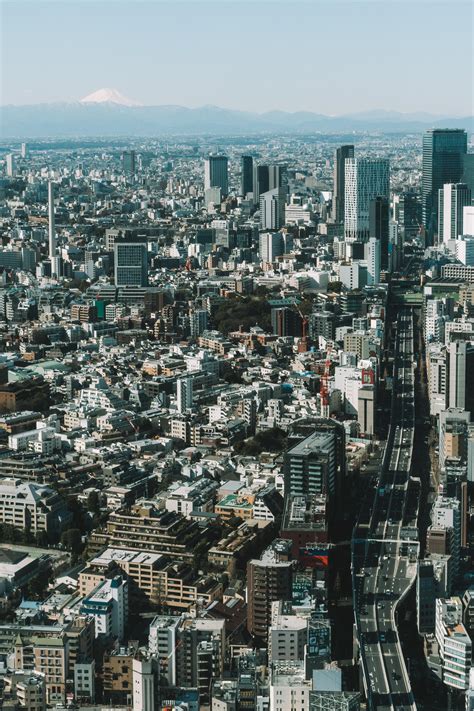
72,540
93,502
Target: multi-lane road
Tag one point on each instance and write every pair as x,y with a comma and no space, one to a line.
385,545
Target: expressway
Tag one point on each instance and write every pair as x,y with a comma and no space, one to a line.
385,545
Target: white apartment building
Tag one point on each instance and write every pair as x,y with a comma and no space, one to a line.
454,643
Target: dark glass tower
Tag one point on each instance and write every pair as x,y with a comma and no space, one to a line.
246,184
378,226
342,153
443,156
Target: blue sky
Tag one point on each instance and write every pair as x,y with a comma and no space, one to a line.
328,56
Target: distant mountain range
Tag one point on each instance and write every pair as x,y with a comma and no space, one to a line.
96,115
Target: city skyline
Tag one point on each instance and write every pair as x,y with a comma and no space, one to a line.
333,59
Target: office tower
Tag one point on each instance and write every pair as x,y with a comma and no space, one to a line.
310,466
365,179
286,322
184,394
10,163
452,199
269,177
278,177
130,262
216,174
467,176
464,250
379,210
461,375
25,152
408,214
260,181
270,247
128,162
426,597
272,209
373,259
246,183
212,196
341,154
51,222
468,221
443,151
395,246
268,580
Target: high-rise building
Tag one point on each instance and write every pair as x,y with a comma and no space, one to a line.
128,162
379,211
373,259
10,160
25,152
130,262
268,579
286,322
51,222
408,214
272,209
341,154
246,183
452,199
269,177
443,151
365,180
216,173
310,466
461,375
467,176
468,220
455,645
198,322
270,246
184,394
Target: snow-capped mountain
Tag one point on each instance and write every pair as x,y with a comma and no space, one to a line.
109,96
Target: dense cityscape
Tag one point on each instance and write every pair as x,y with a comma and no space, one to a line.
236,448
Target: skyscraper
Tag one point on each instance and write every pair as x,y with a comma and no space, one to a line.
379,210
365,179
130,262
246,183
373,258
341,154
216,173
461,375
10,165
452,199
268,177
443,160
270,246
51,222
272,209
128,162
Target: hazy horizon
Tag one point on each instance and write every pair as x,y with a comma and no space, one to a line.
332,58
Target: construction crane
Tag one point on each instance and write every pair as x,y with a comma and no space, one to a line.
324,389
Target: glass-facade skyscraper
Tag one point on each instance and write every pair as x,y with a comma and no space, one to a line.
247,175
443,155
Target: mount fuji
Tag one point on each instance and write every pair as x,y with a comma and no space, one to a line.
109,96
